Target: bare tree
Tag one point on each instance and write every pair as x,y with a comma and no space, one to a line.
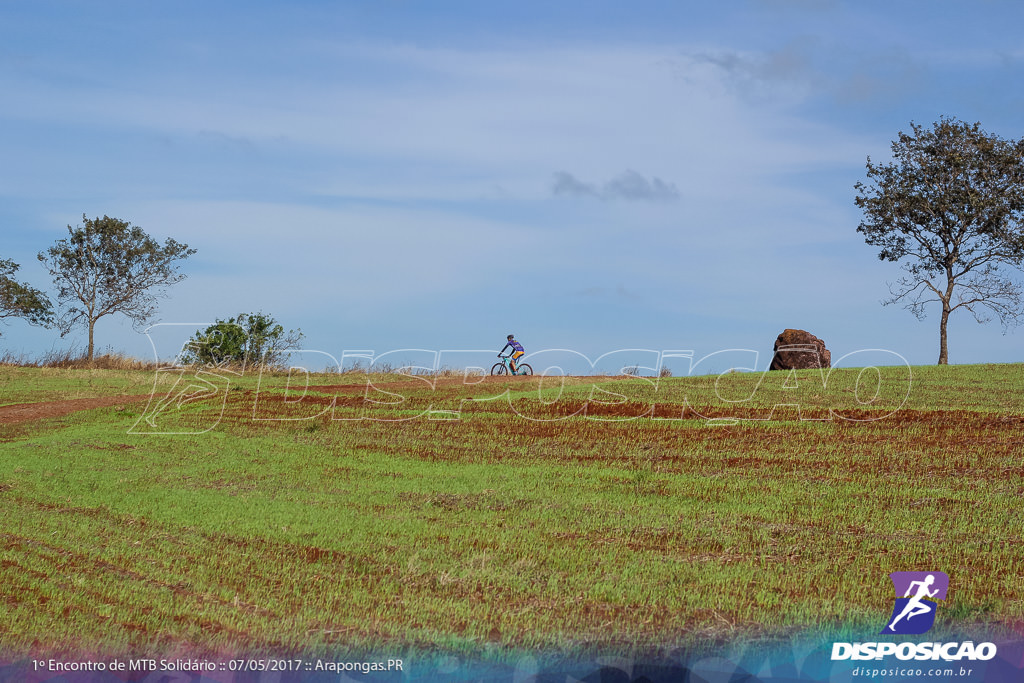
950,207
111,266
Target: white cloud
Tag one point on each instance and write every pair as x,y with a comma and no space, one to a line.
497,115
353,255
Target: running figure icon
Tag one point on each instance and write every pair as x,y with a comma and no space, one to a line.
917,595
915,605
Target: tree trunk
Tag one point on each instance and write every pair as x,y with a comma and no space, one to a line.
946,310
92,324
943,351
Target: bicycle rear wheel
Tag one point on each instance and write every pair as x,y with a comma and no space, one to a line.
524,369
498,369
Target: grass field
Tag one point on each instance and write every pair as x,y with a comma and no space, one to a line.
576,515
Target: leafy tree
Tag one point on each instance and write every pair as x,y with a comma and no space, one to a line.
950,207
20,300
247,339
111,266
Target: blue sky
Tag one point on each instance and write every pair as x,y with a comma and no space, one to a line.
590,176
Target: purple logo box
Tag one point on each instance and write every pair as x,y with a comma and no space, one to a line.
901,582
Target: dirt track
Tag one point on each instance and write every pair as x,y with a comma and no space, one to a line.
423,380
25,412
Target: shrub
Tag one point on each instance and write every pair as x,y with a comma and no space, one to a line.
245,340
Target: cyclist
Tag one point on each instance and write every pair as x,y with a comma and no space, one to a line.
517,352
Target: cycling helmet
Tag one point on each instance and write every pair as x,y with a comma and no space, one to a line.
510,336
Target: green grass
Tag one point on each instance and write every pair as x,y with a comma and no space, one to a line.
31,385
555,531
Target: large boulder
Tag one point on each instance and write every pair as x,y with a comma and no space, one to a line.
799,350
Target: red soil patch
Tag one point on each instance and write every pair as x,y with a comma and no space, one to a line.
25,412
422,381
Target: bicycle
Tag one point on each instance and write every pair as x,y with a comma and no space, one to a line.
503,368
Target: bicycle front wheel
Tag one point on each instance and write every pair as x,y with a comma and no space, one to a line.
524,369
498,369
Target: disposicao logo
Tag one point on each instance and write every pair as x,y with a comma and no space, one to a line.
913,614
916,593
